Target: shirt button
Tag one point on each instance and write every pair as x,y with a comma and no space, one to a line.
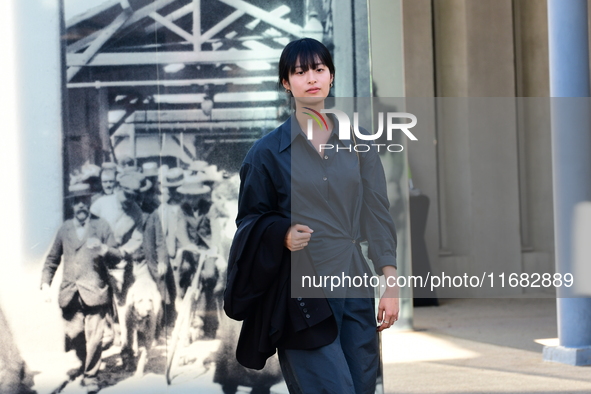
307,316
353,241
305,310
324,178
299,298
325,157
303,304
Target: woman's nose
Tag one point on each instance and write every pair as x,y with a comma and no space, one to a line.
311,77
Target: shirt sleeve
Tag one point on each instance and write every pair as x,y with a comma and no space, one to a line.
109,239
53,259
377,226
257,194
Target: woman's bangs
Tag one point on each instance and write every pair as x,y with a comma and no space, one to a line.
306,59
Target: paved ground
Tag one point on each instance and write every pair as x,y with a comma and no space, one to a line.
479,346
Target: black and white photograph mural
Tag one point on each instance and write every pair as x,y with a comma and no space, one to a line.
161,101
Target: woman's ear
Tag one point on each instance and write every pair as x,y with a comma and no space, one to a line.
286,85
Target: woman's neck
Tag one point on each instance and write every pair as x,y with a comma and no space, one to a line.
303,114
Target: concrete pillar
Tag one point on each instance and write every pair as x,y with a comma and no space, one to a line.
476,140
531,48
419,88
571,163
534,136
451,58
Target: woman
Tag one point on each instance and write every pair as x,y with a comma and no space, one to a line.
334,199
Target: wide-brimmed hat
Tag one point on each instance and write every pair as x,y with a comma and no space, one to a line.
88,171
173,178
79,190
127,170
193,185
198,165
130,181
109,166
211,174
145,183
126,161
150,169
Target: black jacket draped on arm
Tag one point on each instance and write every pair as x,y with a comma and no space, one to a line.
258,292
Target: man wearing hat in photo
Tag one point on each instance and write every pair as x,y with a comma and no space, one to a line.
150,198
108,177
169,213
123,215
145,186
158,262
83,244
120,209
169,209
210,177
195,231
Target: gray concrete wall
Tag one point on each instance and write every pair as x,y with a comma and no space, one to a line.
419,86
478,177
493,190
535,164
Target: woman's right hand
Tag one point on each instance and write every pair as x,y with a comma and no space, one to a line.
297,237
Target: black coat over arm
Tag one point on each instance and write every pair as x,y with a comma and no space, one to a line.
258,292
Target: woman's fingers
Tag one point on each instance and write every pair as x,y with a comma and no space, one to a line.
380,316
301,234
297,237
388,310
302,228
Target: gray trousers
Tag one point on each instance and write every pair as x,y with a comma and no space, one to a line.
349,365
84,326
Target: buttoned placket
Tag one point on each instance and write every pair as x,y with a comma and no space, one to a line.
324,162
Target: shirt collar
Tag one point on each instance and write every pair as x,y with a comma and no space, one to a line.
289,133
77,223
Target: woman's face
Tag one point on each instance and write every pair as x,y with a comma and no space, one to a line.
311,86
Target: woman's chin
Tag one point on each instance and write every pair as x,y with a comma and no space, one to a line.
310,100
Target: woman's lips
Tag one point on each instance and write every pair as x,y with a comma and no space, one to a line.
313,90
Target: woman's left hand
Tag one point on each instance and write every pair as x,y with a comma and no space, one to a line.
389,305
388,309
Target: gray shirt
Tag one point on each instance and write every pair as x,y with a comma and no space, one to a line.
341,195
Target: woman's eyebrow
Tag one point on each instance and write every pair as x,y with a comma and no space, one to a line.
312,65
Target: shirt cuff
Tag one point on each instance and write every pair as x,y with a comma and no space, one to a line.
383,262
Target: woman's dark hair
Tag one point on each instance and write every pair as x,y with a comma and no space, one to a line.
309,52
